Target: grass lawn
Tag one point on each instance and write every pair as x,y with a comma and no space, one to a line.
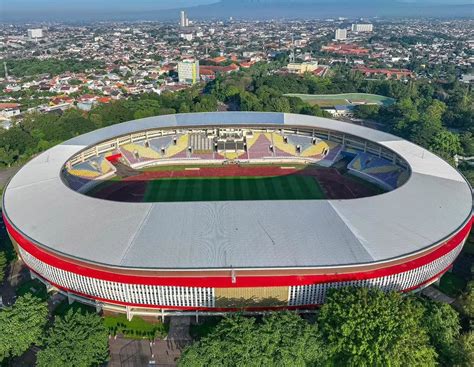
325,100
137,328
33,286
452,284
290,187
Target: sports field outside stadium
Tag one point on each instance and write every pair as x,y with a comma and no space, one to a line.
233,182
326,100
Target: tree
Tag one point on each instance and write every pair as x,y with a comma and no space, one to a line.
21,325
366,111
442,324
445,143
249,102
465,355
7,156
77,339
467,300
3,265
467,143
280,339
367,327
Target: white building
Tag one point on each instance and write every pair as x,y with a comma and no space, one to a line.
186,36
35,33
188,71
362,27
301,68
341,34
8,110
183,19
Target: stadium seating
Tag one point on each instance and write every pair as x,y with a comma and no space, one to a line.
259,146
92,168
75,182
304,142
380,170
136,153
317,150
281,148
180,149
332,155
162,142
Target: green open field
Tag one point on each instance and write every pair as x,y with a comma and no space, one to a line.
136,328
326,100
289,187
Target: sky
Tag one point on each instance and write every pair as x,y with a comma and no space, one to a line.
103,9
29,5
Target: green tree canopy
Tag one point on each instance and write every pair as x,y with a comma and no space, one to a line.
366,111
21,325
442,323
465,355
76,340
3,265
280,339
445,143
467,300
367,327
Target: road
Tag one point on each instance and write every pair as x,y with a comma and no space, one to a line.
6,174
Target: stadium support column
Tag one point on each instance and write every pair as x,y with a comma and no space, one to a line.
33,275
70,299
129,313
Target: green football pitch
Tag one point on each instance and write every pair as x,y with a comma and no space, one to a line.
289,187
326,100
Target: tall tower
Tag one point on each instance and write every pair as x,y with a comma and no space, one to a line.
6,69
182,20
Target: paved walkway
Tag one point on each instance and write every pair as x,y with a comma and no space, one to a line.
6,174
15,274
161,353
129,353
167,352
436,295
179,328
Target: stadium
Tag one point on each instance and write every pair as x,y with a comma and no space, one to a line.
225,211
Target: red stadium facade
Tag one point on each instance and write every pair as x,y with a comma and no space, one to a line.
188,291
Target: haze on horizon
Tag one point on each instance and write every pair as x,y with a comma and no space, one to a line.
41,10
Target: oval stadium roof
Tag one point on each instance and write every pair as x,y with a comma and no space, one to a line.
435,202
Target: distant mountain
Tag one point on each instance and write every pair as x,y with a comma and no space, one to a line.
258,9
373,3
269,9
